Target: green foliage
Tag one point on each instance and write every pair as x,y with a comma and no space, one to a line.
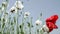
0,32
12,24
3,25
28,24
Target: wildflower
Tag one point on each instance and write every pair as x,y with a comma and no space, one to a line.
19,5
38,22
50,22
13,9
4,4
26,14
45,28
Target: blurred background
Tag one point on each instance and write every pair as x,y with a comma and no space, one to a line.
35,7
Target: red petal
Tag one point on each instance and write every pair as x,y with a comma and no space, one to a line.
55,26
50,22
50,26
54,17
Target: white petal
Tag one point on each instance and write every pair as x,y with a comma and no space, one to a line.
19,5
13,9
46,29
38,22
26,14
4,4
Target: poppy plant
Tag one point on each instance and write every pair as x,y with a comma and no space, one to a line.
50,22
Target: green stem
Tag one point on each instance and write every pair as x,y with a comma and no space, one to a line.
30,26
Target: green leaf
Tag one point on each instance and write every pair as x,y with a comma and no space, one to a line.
20,26
0,19
3,25
0,32
14,19
28,24
11,23
3,20
22,32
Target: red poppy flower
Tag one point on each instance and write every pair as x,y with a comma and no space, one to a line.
50,22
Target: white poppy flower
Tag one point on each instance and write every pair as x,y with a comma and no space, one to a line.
38,22
45,28
26,14
13,9
4,4
19,5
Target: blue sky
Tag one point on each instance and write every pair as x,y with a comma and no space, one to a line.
35,7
